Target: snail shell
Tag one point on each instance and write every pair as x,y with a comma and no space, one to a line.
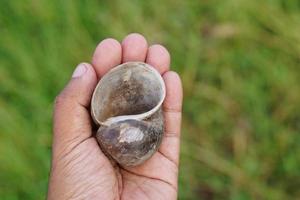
126,104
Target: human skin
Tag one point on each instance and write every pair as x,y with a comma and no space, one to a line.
79,168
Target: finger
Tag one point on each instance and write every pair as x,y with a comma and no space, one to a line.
134,48
166,159
71,116
159,57
172,116
107,55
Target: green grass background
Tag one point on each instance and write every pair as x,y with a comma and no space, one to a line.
240,65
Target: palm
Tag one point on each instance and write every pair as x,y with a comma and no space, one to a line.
142,182
145,183
79,168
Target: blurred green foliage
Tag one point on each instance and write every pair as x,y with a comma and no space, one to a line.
240,65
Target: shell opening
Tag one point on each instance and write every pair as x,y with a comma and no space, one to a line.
133,90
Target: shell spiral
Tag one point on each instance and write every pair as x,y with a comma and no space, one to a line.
126,104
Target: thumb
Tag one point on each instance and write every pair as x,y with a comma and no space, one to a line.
72,123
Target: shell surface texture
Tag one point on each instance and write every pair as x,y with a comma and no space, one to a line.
126,105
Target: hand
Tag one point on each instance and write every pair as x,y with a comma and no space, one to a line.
79,168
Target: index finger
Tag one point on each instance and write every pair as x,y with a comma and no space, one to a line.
107,55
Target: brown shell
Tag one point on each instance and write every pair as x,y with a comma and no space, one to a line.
126,104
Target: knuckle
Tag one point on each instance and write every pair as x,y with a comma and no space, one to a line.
60,100
174,109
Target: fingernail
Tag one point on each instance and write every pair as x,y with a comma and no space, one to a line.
79,71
